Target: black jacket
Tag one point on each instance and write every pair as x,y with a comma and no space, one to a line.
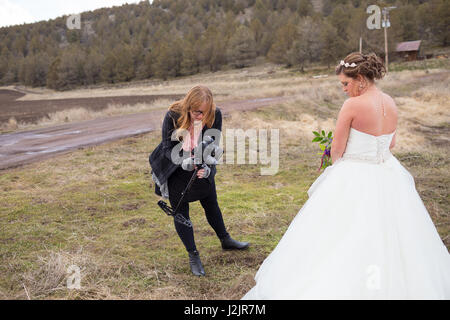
160,159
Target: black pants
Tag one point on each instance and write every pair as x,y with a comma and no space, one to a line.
203,190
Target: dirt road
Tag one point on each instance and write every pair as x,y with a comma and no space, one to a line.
20,148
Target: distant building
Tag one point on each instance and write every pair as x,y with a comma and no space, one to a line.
408,50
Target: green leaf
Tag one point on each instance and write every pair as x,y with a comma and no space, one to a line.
323,133
330,134
316,133
317,139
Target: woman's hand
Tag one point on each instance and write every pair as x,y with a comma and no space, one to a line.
200,173
204,172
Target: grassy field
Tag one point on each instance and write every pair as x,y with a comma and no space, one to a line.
95,208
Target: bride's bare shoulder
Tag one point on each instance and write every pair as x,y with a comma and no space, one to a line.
349,102
390,101
352,102
388,97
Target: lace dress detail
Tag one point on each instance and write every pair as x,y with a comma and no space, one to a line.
364,147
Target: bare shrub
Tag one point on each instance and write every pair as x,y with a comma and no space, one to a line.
11,125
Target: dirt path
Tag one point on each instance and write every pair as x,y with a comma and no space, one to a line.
20,148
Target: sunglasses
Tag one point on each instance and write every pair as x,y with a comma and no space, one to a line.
196,112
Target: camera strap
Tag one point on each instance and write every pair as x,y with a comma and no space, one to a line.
178,217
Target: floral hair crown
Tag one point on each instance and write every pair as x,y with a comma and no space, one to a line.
346,64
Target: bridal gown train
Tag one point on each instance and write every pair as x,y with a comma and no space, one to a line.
364,233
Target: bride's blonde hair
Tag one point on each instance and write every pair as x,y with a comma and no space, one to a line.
193,100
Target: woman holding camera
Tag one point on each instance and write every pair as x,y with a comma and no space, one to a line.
183,128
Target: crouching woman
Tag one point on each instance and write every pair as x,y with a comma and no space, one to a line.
185,125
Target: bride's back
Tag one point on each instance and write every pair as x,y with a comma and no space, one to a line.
373,111
377,113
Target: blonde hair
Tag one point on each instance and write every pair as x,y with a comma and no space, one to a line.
193,100
367,65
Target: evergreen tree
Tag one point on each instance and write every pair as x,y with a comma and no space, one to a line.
257,29
260,11
93,67
52,75
441,12
33,70
305,8
333,46
124,66
3,66
189,63
168,38
242,48
108,73
284,38
168,60
308,45
146,69
71,70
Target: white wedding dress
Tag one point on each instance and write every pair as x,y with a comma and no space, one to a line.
364,233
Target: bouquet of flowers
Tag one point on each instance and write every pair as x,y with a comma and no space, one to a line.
324,140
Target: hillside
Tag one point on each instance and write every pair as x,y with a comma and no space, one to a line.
171,38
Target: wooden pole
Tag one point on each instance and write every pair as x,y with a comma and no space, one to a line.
385,40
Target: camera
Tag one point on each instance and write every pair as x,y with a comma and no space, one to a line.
206,153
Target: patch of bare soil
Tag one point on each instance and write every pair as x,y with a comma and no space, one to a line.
33,110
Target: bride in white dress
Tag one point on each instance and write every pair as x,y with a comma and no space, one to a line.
364,232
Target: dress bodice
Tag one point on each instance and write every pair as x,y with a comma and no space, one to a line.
365,147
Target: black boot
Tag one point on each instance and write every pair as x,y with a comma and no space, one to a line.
229,244
196,264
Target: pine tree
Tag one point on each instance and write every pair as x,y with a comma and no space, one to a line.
52,75
257,29
168,60
284,38
33,70
93,67
71,70
108,72
305,8
441,12
307,46
242,48
140,40
146,69
189,63
124,67
333,46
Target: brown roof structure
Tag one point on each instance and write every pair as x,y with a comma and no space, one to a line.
408,46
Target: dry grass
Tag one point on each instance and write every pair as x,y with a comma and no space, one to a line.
11,125
413,90
95,207
83,114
